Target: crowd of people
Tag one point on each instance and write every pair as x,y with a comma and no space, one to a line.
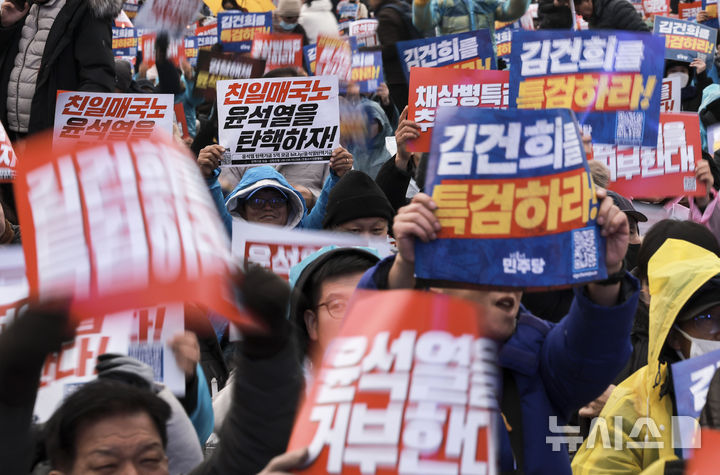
601,349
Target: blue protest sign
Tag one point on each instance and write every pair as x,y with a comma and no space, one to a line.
686,40
367,71
611,79
515,201
124,41
471,50
236,29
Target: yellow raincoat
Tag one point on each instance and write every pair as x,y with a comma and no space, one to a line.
675,272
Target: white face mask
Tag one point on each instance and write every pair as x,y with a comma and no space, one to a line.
684,78
698,346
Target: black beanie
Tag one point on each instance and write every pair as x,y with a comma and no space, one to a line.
356,195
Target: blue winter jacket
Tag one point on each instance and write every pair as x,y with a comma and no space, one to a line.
558,368
298,216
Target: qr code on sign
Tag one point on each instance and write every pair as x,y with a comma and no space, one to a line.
585,254
689,183
630,127
151,355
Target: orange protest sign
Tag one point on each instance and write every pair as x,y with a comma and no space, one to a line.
122,224
706,458
278,50
407,387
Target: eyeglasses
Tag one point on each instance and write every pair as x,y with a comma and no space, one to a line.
707,324
336,308
259,203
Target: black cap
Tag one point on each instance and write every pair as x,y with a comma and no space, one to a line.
705,298
355,196
626,206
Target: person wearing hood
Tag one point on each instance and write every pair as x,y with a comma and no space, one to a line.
684,285
317,18
610,15
693,81
49,46
285,19
264,196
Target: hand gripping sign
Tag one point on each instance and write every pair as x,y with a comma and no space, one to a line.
515,201
122,222
409,386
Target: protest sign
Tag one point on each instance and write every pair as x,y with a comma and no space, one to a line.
409,386
236,29
141,334
689,11
334,58
124,41
8,159
431,88
611,78
278,50
209,29
706,458
130,221
83,117
131,7
367,70
713,138
171,16
347,11
668,169
310,57
214,67
691,381
710,7
656,7
685,40
175,51
503,41
365,33
670,98
206,41
14,288
278,249
191,50
515,201
470,50
278,120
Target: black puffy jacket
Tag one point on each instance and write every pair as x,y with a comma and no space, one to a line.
616,15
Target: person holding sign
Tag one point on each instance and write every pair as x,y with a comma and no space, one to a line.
572,361
684,282
693,81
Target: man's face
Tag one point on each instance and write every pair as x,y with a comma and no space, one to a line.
498,307
585,9
371,227
705,326
324,322
634,237
119,444
267,206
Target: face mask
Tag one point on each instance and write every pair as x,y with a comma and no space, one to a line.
684,78
699,347
631,256
287,26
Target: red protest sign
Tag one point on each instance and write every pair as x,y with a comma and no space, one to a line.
665,170
278,50
689,11
706,458
334,58
434,87
656,7
122,224
670,97
8,159
407,387
175,51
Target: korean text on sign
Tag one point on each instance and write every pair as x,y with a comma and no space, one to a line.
365,32
175,51
8,159
471,50
403,391
236,30
124,41
214,67
278,50
612,77
172,16
334,58
367,70
515,201
686,40
164,238
431,88
281,120
670,98
665,170
655,7
95,117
